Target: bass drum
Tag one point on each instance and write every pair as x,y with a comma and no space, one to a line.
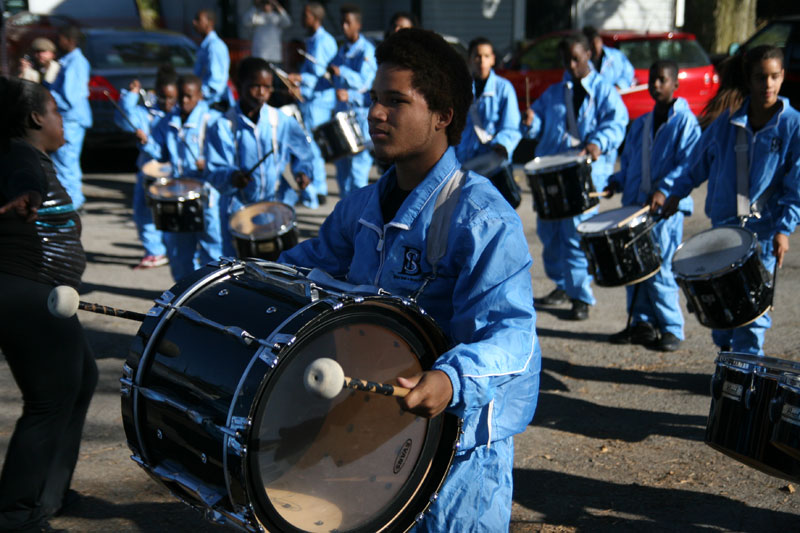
214,406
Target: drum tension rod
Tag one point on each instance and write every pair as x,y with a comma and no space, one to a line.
234,331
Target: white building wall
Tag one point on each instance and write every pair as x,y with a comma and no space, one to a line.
639,15
467,19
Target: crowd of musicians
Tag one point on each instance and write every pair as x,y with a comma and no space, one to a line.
236,153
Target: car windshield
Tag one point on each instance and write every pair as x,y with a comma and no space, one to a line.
776,34
685,52
125,50
543,55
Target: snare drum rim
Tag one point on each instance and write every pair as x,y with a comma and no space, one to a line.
753,248
577,161
191,195
645,218
284,229
772,366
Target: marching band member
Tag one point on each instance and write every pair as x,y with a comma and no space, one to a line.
611,63
493,119
658,148
212,62
353,69
384,235
180,139
583,111
763,188
246,133
320,99
142,119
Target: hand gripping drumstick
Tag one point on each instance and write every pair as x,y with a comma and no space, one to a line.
64,302
624,221
325,378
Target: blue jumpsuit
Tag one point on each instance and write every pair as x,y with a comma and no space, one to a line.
70,90
212,66
181,145
320,99
357,68
671,148
498,115
235,143
144,118
774,161
616,68
482,299
601,120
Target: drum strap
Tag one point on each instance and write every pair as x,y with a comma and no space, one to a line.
572,124
201,135
742,174
484,137
647,139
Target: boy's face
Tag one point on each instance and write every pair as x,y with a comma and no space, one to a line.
481,61
400,123
188,95
662,85
256,90
576,61
167,96
351,27
765,82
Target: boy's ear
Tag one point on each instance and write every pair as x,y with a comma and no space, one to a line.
35,120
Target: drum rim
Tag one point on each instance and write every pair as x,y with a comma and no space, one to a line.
758,361
284,229
613,229
192,194
733,266
155,162
578,160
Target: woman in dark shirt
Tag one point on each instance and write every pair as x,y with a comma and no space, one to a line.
49,357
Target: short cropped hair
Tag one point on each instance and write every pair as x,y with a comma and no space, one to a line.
71,32
19,98
350,9
439,73
476,42
166,75
317,10
590,32
571,39
248,67
758,54
209,14
190,79
667,65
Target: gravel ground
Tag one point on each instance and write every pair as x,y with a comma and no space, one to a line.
616,443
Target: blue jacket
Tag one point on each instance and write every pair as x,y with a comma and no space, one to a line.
671,151
166,142
616,68
482,297
143,118
235,143
774,153
321,46
498,114
601,120
357,68
211,66
70,89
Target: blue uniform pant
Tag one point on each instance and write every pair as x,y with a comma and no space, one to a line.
564,261
657,298
353,172
314,113
476,495
750,338
188,251
67,161
151,238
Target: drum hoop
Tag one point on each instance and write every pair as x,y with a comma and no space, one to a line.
771,365
716,273
284,228
191,195
578,161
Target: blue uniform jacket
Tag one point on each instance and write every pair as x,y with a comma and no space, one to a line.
774,154
211,66
482,297
143,118
166,142
321,46
70,89
601,120
235,143
616,68
498,112
357,68
671,150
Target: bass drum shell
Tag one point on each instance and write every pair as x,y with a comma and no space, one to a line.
229,429
740,423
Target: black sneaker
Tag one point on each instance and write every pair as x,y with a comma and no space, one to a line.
668,343
557,296
643,333
580,310
623,337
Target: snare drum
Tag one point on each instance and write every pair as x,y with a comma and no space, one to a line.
155,172
499,173
723,278
214,407
341,137
739,423
177,205
560,185
263,230
785,414
620,255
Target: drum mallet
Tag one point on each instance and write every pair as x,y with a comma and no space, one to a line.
325,378
121,112
63,302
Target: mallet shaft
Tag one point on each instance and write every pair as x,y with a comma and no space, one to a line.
378,388
111,311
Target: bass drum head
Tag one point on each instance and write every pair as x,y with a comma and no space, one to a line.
608,220
357,462
262,221
714,250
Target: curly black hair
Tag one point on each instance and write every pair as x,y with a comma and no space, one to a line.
440,74
19,98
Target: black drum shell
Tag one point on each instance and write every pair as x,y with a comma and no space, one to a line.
786,418
178,215
269,249
739,422
564,192
332,138
613,264
503,180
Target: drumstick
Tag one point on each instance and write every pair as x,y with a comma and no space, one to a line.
284,77
601,194
121,112
313,59
527,93
640,212
254,167
63,302
325,378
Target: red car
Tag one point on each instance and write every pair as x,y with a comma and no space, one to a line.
538,62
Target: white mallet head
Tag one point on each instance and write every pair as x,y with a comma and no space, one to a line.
324,377
63,301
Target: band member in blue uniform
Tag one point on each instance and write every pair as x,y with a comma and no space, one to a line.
658,149
213,61
611,63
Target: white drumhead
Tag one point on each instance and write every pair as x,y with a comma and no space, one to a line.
551,163
608,220
176,190
262,220
157,169
484,164
712,250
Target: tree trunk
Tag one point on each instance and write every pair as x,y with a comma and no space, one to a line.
718,23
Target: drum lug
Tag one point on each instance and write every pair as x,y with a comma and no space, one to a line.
265,353
126,381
